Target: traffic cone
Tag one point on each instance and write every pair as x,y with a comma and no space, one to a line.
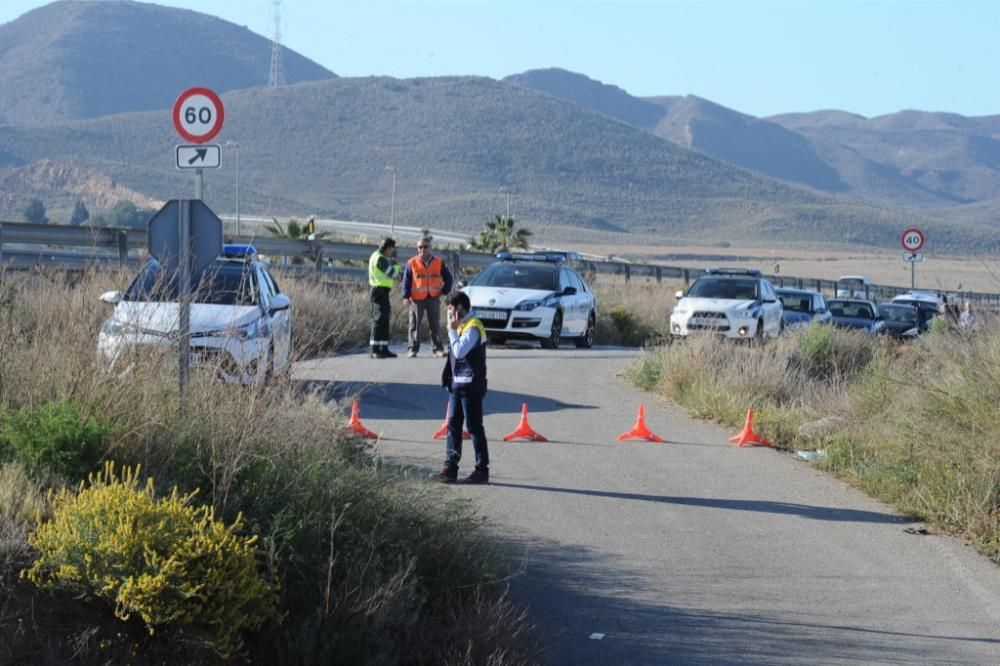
640,430
443,430
748,436
523,429
355,423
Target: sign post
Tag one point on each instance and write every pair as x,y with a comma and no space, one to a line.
198,116
912,242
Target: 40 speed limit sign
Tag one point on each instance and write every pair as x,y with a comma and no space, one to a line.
912,240
198,115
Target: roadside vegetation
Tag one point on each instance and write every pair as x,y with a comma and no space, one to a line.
245,524
914,424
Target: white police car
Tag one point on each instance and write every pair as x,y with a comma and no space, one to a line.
533,296
735,303
241,323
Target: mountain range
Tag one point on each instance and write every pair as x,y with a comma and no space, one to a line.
579,158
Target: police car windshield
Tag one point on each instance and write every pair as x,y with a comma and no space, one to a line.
222,283
737,289
517,275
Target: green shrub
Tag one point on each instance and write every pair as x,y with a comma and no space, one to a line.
168,562
53,438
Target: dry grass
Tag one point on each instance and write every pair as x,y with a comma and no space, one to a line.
919,426
372,564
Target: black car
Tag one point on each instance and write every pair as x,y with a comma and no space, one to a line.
902,321
859,315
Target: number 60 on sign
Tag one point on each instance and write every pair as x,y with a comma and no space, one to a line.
198,115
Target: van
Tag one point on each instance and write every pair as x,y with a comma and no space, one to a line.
853,286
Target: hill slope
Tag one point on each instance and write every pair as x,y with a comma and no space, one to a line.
72,60
323,148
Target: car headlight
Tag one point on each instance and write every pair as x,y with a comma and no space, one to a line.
912,332
251,330
112,326
527,306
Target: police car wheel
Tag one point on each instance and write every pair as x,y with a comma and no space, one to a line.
555,336
586,341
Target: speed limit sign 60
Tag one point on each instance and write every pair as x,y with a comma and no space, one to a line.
198,115
912,240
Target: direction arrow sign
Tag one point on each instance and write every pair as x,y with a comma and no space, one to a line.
198,115
205,156
912,240
913,257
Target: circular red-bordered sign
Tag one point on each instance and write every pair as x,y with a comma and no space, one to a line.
198,115
912,240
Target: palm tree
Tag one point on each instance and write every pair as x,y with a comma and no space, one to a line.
500,235
295,230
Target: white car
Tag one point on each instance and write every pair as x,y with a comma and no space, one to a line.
240,322
533,297
735,303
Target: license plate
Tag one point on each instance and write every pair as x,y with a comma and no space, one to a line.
491,314
705,321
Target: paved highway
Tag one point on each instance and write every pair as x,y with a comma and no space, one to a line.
688,552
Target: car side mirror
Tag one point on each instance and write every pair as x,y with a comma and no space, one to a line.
278,303
679,295
462,284
111,297
569,291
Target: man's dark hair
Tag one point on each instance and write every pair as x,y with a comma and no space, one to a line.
387,243
460,298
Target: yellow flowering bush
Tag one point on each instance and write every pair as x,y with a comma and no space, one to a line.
163,560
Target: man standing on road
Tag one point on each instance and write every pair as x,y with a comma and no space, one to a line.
382,270
465,378
425,280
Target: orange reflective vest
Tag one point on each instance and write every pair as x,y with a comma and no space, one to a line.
427,280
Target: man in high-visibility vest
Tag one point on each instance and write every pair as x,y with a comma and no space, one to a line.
382,270
425,280
464,376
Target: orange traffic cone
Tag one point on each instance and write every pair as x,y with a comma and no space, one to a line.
443,430
523,429
640,430
748,436
355,423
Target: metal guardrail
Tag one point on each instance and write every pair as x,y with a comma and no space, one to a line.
24,245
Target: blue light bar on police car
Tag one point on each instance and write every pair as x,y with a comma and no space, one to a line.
238,251
529,256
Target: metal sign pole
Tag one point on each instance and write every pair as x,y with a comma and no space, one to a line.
913,275
198,184
184,291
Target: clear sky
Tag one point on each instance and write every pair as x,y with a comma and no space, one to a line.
760,58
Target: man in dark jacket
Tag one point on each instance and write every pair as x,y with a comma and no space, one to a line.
465,378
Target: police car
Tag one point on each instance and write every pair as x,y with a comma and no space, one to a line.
533,296
735,303
241,323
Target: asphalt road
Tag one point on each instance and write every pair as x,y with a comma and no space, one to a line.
689,552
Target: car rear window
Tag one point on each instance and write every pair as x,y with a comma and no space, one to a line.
849,309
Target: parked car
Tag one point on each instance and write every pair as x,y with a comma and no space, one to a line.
853,286
735,303
533,296
801,307
240,322
928,302
855,314
901,321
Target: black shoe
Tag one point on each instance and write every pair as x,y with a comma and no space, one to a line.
446,475
477,477
386,353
